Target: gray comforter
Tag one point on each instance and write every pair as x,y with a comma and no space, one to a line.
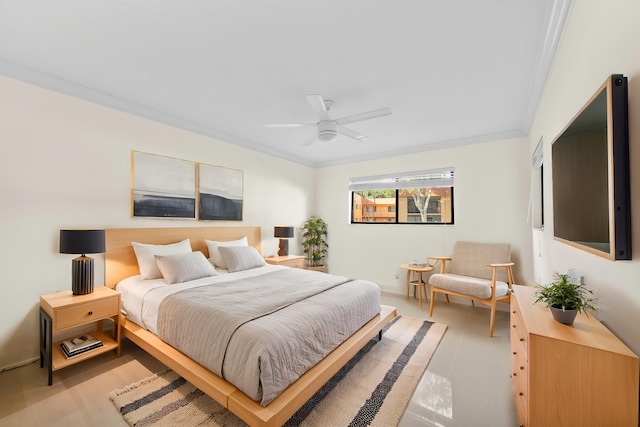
261,333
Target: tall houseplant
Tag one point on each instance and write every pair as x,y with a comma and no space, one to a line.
566,299
314,233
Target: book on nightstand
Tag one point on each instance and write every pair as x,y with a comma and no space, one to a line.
79,345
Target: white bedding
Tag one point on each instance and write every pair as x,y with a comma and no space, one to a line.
141,298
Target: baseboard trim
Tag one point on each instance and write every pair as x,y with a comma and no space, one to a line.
19,364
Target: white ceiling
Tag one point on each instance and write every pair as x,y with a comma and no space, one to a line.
453,72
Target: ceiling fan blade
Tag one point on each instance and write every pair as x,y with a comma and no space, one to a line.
364,116
311,139
289,125
319,107
352,133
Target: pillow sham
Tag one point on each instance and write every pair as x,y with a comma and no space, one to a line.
239,258
145,253
214,250
180,268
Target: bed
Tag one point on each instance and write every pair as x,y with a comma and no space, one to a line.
275,406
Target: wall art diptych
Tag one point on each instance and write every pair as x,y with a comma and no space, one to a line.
220,193
165,187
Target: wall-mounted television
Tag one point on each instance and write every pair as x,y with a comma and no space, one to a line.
590,168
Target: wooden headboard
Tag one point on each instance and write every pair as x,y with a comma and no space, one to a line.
120,259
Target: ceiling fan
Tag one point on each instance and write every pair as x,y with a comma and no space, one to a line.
328,128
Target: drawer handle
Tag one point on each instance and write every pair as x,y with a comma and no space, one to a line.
522,368
90,313
515,374
515,352
513,326
522,339
521,394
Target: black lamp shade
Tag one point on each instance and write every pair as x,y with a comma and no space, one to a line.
283,232
82,242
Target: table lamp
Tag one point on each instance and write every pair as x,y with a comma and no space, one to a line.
82,242
284,233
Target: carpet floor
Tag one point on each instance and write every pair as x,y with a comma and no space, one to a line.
372,389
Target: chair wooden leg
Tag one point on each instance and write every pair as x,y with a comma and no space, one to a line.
447,297
493,319
431,303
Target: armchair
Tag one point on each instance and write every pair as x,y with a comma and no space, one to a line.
480,272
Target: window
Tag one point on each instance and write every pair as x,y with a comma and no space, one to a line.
424,197
536,194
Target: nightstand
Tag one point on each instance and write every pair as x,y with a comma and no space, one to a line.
61,311
295,261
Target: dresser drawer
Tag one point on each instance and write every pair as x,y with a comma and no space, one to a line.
294,263
520,375
520,379
518,331
522,410
74,315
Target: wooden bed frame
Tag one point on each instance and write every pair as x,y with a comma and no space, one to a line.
120,262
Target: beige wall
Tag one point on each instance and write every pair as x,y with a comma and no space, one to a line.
491,194
602,37
65,163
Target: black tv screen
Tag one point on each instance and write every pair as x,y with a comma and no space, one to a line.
590,167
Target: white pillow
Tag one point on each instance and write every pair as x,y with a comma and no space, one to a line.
146,256
214,252
239,258
184,267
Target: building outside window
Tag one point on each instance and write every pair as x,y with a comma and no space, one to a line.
424,197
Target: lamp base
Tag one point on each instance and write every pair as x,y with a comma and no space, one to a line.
82,275
284,247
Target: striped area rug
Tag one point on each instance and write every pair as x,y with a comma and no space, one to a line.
372,389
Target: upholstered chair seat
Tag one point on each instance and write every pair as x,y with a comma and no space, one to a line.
473,286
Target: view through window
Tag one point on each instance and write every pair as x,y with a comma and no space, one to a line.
423,197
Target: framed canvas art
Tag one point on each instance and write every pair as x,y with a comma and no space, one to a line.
162,187
220,193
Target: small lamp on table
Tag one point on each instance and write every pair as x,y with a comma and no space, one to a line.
283,233
82,242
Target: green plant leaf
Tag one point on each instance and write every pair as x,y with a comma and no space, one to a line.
565,295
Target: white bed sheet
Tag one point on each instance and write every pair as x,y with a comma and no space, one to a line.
141,298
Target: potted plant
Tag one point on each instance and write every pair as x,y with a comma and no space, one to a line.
566,299
314,233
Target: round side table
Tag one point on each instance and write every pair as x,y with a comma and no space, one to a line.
418,284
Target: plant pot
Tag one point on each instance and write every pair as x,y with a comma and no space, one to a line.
566,317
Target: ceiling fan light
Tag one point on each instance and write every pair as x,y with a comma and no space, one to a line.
327,135
327,131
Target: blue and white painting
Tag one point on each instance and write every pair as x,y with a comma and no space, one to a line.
163,187
220,193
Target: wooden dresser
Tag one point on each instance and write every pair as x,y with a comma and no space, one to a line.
569,375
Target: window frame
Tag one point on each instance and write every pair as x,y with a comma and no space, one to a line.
434,178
